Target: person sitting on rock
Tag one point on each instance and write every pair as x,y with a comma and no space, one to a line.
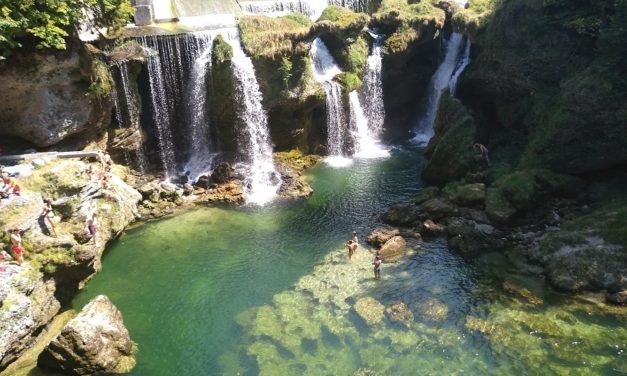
16,245
8,187
485,153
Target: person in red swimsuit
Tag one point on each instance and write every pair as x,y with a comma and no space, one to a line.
16,245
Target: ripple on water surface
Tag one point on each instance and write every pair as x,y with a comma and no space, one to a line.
269,291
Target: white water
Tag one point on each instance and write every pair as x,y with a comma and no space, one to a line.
367,120
201,156
440,81
274,8
463,63
324,70
262,179
161,110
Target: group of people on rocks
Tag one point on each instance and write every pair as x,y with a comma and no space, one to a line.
8,187
352,244
47,216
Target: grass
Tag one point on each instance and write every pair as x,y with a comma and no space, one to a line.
271,37
344,18
471,19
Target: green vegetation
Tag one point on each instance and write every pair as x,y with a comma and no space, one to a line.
270,37
344,18
410,22
349,81
470,19
222,51
50,23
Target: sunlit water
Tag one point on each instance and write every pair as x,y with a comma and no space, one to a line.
269,291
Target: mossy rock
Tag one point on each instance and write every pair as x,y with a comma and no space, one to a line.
497,206
349,81
223,99
450,151
427,194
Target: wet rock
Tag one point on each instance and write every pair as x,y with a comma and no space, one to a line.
401,313
370,310
497,207
203,182
438,209
222,173
470,194
430,229
381,235
467,237
188,189
401,215
618,297
95,341
427,194
482,326
393,250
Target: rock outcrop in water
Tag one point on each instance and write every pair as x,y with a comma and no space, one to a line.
95,341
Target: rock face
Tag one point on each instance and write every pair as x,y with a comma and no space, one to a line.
27,303
95,341
57,267
381,235
48,98
370,310
393,250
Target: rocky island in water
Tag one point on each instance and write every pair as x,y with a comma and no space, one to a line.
315,187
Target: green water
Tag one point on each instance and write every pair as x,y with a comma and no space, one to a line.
269,291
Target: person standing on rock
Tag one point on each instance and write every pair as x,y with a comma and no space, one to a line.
485,153
377,266
352,246
47,215
16,245
91,227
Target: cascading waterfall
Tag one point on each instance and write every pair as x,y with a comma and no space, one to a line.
311,8
367,123
127,114
441,80
169,62
463,63
262,179
325,69
201,156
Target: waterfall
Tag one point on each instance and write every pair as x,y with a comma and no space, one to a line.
201,151
463,63
311,8
262,179
444,76
127,113
324,70
367,120
169,65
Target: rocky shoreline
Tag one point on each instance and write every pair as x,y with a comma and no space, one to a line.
57,267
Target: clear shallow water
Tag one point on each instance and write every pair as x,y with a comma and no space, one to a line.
268,291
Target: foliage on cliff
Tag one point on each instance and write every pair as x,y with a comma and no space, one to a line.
270,37
49,23
406,23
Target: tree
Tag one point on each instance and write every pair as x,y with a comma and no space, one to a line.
50,22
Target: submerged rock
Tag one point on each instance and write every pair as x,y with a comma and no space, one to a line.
433,309
95,341
401,215
370,310
393,250
401,313
521,292
381,235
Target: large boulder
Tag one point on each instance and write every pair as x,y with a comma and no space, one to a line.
95,341
399,312
47,98
393,250
401,215
381,235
